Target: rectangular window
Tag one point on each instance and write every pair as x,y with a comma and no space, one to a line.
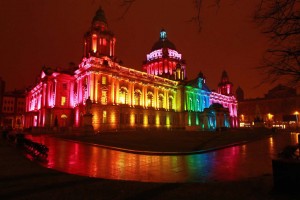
121,118
64,86
103,80
104,117
63,101
162,120
151,119
104,97
141,118
127,119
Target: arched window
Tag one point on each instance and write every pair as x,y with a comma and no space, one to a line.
137,98
150,99
94,43
123,95
160,101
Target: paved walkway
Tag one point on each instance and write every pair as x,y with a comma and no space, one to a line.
169,142
228,164
23,179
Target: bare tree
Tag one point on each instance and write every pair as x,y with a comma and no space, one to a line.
280,21
196,18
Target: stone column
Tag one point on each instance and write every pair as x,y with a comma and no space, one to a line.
117,90
112,92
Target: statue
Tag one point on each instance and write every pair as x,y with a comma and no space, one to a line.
88,106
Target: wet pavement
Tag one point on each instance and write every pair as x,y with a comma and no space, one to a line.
228,164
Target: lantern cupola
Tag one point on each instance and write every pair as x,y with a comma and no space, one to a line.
164,60
99,41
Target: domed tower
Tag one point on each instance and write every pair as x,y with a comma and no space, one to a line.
99,41
225,86
164,60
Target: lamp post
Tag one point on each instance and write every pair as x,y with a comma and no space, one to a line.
297,119
270,119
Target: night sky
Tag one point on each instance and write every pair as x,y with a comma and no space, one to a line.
35,33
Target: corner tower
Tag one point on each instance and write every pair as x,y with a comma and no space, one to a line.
164,60
225,86
99,41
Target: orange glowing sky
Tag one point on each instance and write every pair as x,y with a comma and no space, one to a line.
36,33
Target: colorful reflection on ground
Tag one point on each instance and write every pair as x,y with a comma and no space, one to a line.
233,163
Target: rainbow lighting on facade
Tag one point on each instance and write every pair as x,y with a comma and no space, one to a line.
159,96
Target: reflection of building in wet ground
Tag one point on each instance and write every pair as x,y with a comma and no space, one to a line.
121,97
280,108
227,164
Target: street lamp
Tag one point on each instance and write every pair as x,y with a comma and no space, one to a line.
297,119
270,118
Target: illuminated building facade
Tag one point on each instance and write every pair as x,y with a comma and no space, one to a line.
160,96
12,109
2,89
279,108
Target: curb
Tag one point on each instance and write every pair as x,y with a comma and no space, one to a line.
156,152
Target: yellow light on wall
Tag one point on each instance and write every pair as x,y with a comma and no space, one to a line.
157,120
145,120
104,116
122,99
270,116
168,120
148,102
63,101
132,119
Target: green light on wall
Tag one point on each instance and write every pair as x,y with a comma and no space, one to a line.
189,118
197,119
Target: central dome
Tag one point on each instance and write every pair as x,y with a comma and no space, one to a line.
163,42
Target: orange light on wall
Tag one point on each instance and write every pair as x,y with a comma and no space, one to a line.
113,117
96,119
242,117
132,118
94,43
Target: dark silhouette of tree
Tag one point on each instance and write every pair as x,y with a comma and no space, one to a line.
196,18
280,21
